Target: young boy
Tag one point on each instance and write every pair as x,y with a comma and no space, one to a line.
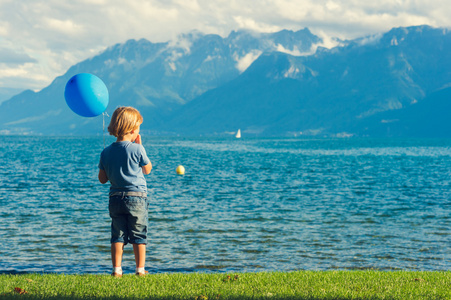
124,164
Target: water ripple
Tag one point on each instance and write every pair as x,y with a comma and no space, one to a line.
243,205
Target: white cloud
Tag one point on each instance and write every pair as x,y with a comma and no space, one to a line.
370,39
57,34
3,30
251,24
184,42
294,52
26,76
12,72
327,40
11,57
63,26
244,62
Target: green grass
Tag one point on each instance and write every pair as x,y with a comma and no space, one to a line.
201,286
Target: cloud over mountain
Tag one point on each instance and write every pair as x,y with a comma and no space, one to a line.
207,84
55,35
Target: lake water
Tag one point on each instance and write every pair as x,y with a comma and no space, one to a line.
243,205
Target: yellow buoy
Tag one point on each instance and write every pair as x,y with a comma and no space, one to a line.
180,170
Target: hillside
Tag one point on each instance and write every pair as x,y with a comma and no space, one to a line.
272,84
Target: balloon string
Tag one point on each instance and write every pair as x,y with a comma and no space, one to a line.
103,114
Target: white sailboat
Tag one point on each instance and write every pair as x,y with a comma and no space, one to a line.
238,134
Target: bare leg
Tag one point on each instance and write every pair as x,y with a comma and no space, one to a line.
140,254
117,249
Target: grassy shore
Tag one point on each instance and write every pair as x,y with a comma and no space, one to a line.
201,286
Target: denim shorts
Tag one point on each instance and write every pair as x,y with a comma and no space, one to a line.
128,219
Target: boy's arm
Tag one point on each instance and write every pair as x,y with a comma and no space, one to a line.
102,176
147,168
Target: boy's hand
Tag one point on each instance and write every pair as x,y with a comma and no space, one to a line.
138,139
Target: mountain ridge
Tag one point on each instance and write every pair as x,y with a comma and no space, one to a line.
281,83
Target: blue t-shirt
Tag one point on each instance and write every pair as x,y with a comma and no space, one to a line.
122,162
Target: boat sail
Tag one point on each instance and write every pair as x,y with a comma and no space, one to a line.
238,134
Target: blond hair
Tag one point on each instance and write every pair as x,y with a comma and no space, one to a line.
124,120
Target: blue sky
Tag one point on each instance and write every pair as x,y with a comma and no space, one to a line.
41,39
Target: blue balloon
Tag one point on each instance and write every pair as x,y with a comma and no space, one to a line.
86,95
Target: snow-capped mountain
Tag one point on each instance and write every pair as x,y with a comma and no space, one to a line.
266,84
155,77
332,91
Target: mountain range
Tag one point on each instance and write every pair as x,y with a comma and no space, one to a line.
396,83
